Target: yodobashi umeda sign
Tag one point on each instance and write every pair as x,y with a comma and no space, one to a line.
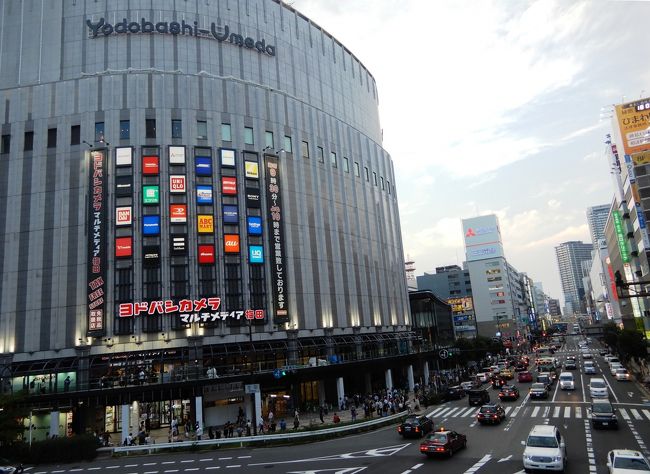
144,26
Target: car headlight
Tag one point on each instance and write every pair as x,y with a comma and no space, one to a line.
528,457
558,458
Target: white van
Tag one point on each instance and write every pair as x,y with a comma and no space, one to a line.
567,381
545,449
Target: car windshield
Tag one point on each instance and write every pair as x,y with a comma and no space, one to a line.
637,464
542,442
487,409
538,386
438,437
566,378
602,408
621,371
597,384
411,421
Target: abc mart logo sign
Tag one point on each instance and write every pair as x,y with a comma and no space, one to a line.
221,34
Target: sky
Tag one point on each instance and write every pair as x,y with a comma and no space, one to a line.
496,107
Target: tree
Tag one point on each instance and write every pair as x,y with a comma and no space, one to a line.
632,344
11,414
610,334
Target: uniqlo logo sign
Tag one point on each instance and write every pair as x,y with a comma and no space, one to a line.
231,243
150,165
178,213
123,247
176,183
229,185
206,254
123,215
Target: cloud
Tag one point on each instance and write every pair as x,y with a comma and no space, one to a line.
554,204
578,232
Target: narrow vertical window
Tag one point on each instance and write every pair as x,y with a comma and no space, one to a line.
346,165
333,159
51,137
125,129
29,141
75,135
305,149
357,171
288,144
99,131
248,136
177,129
321,154
5,144
201,129
150,128
268,139
226,134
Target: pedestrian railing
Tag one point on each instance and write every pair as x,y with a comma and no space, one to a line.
259,439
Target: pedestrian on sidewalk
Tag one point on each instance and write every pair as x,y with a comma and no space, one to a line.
321,414
353,413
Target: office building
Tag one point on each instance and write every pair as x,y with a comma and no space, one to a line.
570,256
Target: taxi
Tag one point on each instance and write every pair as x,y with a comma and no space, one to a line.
507,374
443,442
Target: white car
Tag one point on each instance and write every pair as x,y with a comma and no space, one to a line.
586,355
566,381
482,377
609,357
613,360
614,367
623,461
545,449
622,375
597,388
467,385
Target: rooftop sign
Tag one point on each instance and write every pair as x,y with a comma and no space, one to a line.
219,33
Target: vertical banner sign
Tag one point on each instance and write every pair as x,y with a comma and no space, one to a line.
276,233
97,241
620,237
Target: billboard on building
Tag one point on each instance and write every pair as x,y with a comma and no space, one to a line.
461,305
633,119
482,238
97,262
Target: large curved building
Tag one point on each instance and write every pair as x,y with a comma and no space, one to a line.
191,191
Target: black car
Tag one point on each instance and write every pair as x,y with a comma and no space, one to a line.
498,382
509,392
603,415
478,397
443,442
492,413
454,393
416,426
570,365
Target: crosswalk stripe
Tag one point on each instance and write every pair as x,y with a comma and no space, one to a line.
546,412
636,414
469,412
578,412
646,413
556,412
508,410
535,412
436,411
444,412
567,412
624,413
455,412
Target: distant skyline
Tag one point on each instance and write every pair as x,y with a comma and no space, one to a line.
496,107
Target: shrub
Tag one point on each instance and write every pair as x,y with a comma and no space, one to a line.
75,448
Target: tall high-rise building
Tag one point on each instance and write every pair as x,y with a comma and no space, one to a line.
570,256
596,218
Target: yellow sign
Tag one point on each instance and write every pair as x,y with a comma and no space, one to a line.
641,158
461,305
206,224
633,121
252,170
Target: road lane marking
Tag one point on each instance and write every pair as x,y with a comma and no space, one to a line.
636,414
212,459
168,462
555,393
567,412
444,412
417,466
624,413
436,412
535,412
646,413
464,413
455,412
187,460
213,467
556,412
131,465
508,410
232,465
170,470
479,464
239,457
546,412
225,459
610,388
578,412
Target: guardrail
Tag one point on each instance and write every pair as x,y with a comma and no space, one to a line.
259,439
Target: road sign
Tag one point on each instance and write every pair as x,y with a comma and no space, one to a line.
252,388
444,353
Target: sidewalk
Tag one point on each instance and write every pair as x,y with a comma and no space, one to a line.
308,420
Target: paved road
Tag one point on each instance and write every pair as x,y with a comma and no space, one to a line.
491,449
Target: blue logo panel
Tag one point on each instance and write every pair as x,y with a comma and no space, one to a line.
151,225
256,254
230,214
203,165
254,225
